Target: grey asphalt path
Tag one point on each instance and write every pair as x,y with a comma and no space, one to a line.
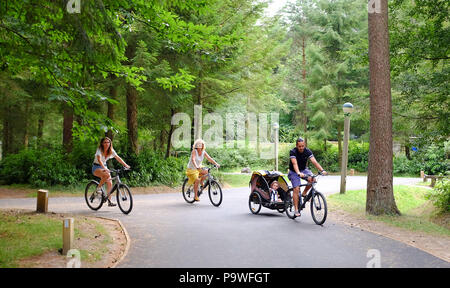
168,232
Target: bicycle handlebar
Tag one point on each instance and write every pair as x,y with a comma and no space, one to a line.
120,170
313,176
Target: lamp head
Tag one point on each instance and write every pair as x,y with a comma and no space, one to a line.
348,108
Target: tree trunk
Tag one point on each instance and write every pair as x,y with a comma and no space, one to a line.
111,107
67,128
305,106
198,114
40,131
380,196
169,140
26,134
132,119
408,151
6,135
131,94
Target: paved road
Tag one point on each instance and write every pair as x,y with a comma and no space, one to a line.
167,232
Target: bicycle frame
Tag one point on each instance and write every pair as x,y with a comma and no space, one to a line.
117,182
310,194
207,181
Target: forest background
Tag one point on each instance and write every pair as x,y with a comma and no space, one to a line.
124,68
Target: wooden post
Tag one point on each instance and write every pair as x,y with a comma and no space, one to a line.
422,175
352,172
42,201
68,235
433,181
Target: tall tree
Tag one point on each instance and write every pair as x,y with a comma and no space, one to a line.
380,194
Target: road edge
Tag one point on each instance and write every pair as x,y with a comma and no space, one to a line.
127,237
386,235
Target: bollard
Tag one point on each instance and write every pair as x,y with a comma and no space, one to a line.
352,172
68,235
422,175
42,201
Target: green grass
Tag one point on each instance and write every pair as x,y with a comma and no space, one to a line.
26,235
417,212
60,190
235,180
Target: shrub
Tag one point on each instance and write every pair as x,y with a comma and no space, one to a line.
151,167
440,195
431,159
15,168
39,168
52,169
232,158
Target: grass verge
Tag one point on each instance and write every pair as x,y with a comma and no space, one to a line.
24,235
418,214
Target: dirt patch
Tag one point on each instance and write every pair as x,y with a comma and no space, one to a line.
155,190
8,193
101,244
13,192
435,245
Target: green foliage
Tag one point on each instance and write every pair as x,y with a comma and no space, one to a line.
358,155
431,159
39,168
15,168
149,168
440,195
232,158
404,166
44,167
419,36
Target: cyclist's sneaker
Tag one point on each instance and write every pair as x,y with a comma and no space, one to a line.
110,204
197,199
297,214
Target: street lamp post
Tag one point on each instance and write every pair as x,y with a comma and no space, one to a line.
348,109
276,128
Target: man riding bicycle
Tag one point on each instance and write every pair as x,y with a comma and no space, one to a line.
299,157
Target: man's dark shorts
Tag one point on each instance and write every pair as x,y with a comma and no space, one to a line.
295,179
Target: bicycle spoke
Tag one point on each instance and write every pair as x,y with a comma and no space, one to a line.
319,208
94,200
215,193
124,199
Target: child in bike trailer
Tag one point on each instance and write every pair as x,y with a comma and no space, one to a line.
274,197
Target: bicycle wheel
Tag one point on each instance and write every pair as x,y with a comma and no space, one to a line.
254,202
215,193
93,199
124,199
319,208
188,192
290,208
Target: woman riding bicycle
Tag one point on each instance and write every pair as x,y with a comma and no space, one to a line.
105,152
194,171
